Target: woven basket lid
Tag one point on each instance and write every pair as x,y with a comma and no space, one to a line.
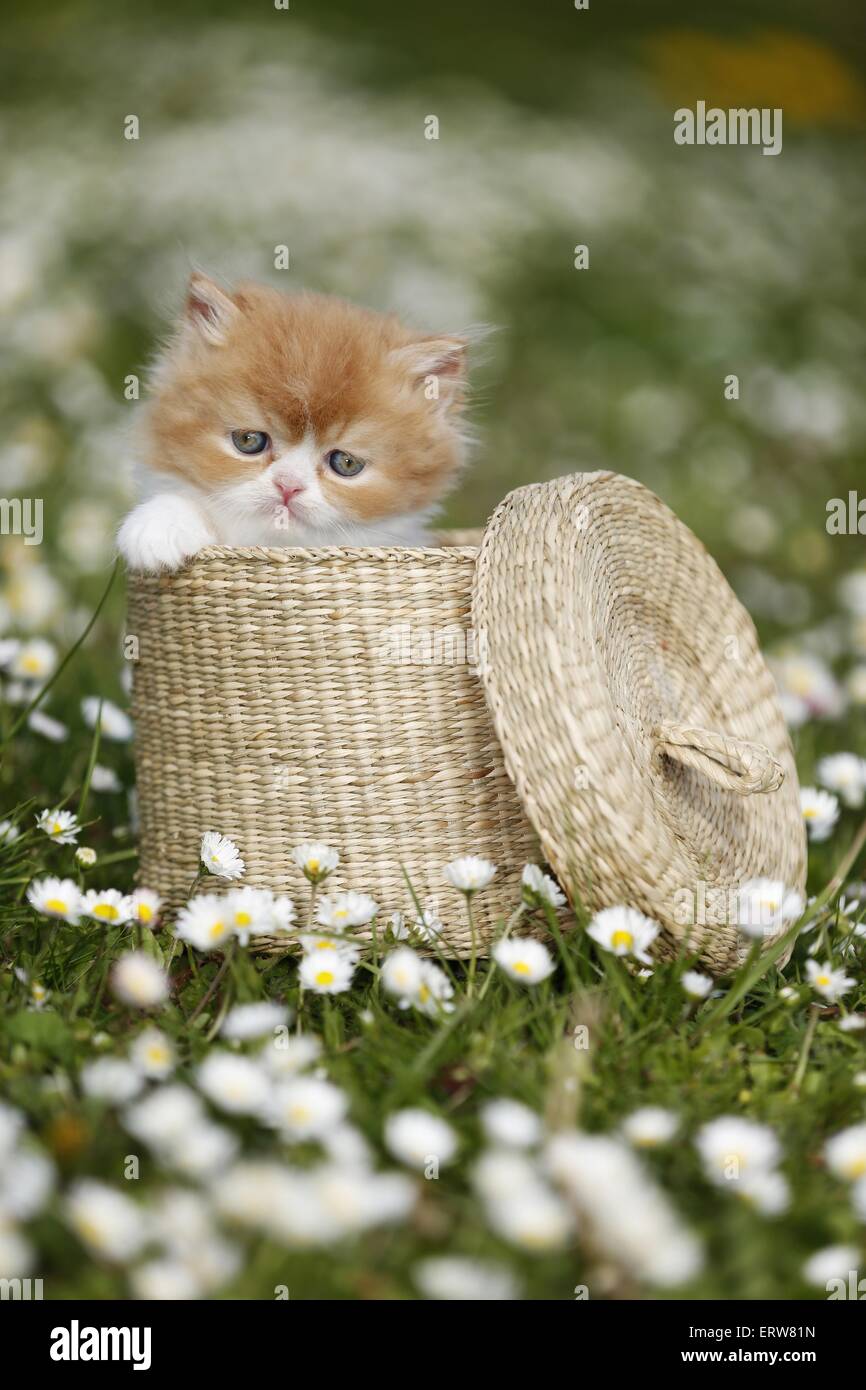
637,717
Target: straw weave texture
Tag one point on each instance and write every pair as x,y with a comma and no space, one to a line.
284,695
641,726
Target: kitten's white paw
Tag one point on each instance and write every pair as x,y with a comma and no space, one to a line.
162,534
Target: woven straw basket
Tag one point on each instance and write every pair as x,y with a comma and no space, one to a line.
374,699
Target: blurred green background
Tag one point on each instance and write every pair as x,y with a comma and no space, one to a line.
261,127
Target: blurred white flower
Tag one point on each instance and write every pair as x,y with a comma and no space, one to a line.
56,897
695,984
144,906
343,910
470,873
458,1279
108,1222
153,1055
844,774
114,723
305,1107
625,932
205,922
766,906
107,905
52,729
510,1124
524,959
234,1084
315,860
255,1020
137,980
539,887
831,1262
105,779
111,1079
329,974
650,1126
845,1153
829,983
736,1150
820,811
32,660
419,1139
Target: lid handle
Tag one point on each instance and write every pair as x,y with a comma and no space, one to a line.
731,763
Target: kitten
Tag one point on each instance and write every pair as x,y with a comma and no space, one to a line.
302,420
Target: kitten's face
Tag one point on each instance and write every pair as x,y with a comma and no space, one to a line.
305,413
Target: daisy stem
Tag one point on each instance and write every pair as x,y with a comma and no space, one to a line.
509,928
214,984
104,957
803,1059
473,936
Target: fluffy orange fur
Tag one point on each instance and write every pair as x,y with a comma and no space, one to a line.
308,367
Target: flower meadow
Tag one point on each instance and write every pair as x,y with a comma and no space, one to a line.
302,1095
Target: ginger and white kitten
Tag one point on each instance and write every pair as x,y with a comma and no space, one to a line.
301,420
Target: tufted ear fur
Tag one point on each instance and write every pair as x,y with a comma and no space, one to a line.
208,311
436,366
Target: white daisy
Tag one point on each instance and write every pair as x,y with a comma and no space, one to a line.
144,906
343,910
205,922
152,1053
649,1126
768,1192
306,1107
9,832
458,1279
60,826
111,1079
256,1020
831,1262
735,1150
221,856
625,932
107,905
27,1181
765,906
401,974
845,1153
510,1124
314,943
233,1083
108,1222
534,1219
52,729
417,1138
165,1278
524,959
434,992
34,660
282,914
251,911
820,811
696,984
844,774
288,1055
85,856
114,723
326,973
470,873
315,860
202,1152
56,897
105,779
539,887
829,983
852,1023
137,980
165,1116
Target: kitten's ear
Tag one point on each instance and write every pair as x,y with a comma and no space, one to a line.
437,366
208,311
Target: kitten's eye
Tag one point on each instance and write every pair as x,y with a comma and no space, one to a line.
344,465
250,441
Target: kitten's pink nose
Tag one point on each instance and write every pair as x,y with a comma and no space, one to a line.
288,491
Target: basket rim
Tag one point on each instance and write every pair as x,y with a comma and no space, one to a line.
319,554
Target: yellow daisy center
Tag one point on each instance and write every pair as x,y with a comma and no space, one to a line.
157,1053
856,1168
145,913
243,919
216,930
520,967
622,938
325,946
325,977
31,663
423,993
56,827
822,980
107,911
56,905
313,866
